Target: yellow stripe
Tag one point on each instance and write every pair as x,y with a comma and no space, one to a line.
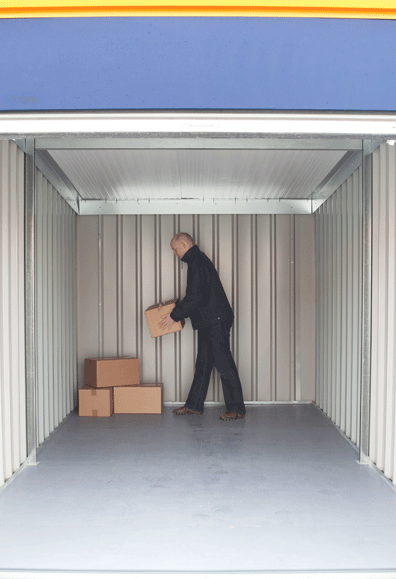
272,5
304,8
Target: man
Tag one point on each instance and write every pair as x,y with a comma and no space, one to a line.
211,314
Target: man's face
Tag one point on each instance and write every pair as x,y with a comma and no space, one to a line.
179,248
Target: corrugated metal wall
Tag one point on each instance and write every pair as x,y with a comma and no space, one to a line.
338,314
267,266
382,450
56,312
339,277
13,450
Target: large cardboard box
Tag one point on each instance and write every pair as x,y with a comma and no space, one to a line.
95,401
105,372
138,399
153,316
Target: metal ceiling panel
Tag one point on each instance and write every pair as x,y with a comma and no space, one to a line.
162,174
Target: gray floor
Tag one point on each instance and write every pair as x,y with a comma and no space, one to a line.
278,490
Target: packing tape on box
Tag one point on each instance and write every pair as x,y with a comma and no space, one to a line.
94,412
94,393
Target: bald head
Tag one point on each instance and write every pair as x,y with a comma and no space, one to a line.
181,243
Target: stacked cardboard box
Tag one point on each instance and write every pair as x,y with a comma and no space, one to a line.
107,372
138,399
95,401
110,379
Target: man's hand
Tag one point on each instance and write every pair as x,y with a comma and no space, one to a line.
166,322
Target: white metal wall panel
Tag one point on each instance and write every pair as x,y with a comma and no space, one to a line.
305,299
338,311
125,264
13,451
382,449
55,308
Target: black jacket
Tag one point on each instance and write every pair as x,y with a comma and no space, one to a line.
206,302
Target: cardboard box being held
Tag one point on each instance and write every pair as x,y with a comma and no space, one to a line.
153,316
95,401
138,399
105,372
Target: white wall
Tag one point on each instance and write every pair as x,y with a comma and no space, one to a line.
267,266
55,315
339,247
338,314
13,450
382,450
56,312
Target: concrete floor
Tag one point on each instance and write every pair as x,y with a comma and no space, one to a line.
279,490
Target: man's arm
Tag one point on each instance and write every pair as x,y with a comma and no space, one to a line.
192,299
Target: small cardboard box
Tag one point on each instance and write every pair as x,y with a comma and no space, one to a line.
95,401
105,372
153,316
138,399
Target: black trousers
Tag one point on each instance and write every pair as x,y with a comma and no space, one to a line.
214,348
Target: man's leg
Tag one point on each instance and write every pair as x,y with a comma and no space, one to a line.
225,365
203,370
